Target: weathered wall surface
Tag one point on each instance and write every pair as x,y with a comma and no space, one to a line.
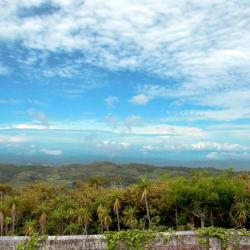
181,241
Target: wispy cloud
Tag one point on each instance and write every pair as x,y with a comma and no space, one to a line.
38,117
219,146
218,105
9,101
52,152
148,92
228,155
4,70
192,56
27,126
195,44
197,40
13,101
111,101
13,139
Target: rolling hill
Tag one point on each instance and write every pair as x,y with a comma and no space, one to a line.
67,174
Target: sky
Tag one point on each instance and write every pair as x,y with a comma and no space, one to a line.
154,81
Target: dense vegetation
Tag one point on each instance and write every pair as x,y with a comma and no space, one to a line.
95,206
68,174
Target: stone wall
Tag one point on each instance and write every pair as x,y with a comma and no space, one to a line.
182,240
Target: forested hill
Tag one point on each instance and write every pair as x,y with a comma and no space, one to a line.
66,175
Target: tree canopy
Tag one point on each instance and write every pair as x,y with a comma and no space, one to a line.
97,205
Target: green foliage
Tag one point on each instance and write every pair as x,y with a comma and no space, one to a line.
29,227
130,239
183,203
72,228
141,239
33,243
129,217
227,236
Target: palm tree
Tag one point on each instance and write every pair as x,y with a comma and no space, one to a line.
116,197
7,222
104,217
13,212
144,185
29,227
100,202
4,188
59,202
1,219
62,209
3,209
42,212
59,216
83,216
241,212
72,228
129,217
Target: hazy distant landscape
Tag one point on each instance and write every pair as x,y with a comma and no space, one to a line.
115,174
69,146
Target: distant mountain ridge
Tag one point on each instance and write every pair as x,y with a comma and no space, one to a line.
67,174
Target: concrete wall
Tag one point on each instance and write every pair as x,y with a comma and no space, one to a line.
181,241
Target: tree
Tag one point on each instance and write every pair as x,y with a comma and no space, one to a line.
1,219
58,217
29,227
129,217
4,189
42,212
13,211
116,197
72,228
61,210
201,189
104,217
241,212
98,181
83,216
7,222
144,185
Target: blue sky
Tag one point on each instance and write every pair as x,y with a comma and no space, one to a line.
153,81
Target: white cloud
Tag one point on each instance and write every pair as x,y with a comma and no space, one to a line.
4,70
111,101
63,72
217,105
161,129
148,92
228,155
9,101
218,146
213,150
28,126
198,41
110,146
123,125
200,47
140,99
132,121
130,125
112,121
13,101
40,118
13,139
53,152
